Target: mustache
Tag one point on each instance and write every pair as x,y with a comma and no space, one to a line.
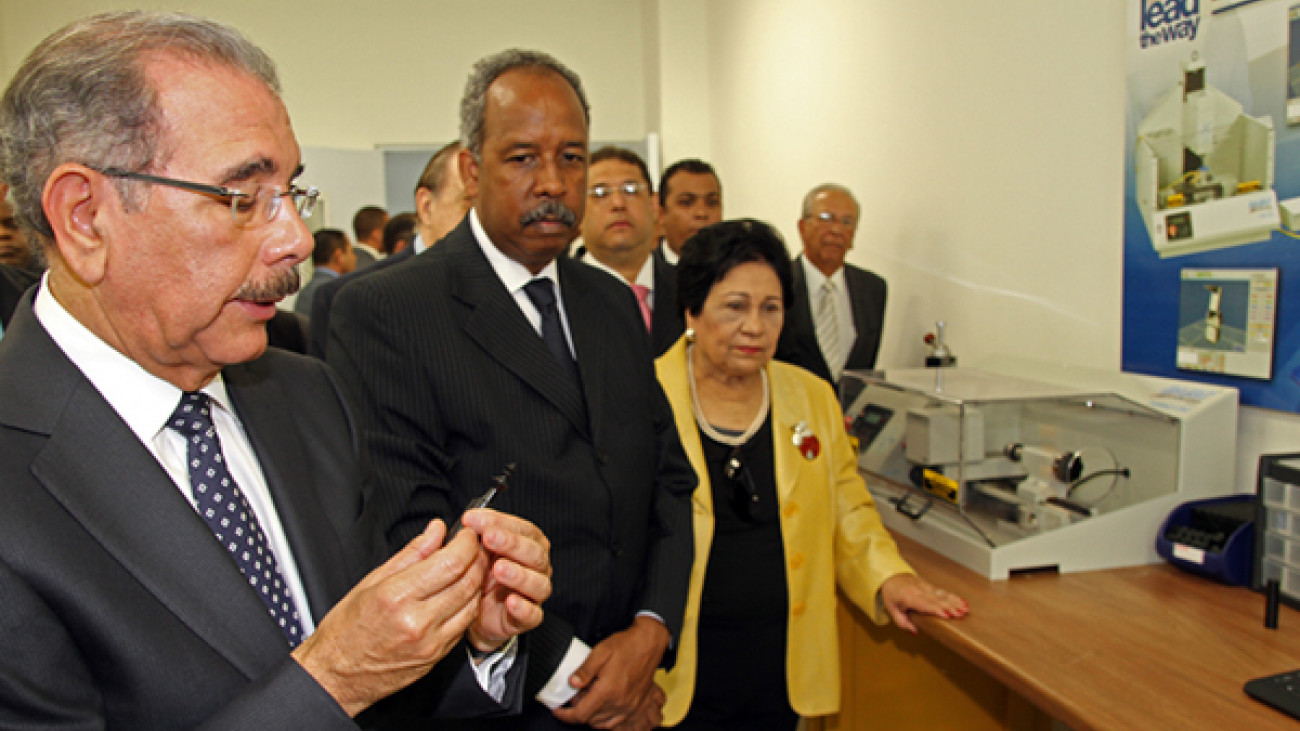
279,285
551,209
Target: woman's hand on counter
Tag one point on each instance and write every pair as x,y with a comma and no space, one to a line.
905,593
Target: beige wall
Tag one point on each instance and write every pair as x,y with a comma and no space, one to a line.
985,140
391,72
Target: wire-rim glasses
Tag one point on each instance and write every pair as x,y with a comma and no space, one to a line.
245,207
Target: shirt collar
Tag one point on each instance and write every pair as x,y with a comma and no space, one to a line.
815,278
669,254
645,277
144,401
511,273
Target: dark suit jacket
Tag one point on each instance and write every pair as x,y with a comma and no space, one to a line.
668,323
13,282
455,383
118,609
319,326
287,330
798,344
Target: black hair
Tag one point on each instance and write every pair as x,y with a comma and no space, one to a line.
713,251
327,241
689,165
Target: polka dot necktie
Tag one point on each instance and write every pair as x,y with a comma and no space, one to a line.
224,508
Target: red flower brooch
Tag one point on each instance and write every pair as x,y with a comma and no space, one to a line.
806,442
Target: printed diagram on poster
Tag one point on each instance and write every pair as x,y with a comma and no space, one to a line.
1204,169
1212,195
1225,321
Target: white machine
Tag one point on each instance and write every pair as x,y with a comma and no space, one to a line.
1204,170
1023,466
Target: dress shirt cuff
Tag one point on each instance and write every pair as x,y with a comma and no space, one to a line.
557,690
672,641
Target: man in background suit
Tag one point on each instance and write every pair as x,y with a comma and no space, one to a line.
368,229
184,523
440,204
690,198
619,236
838,313
333,256
490,350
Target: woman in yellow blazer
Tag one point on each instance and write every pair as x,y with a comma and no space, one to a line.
781,516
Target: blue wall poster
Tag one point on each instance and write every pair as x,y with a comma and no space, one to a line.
1212,195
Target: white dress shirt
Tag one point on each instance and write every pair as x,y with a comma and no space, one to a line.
146,402
515,275
669,254
814,278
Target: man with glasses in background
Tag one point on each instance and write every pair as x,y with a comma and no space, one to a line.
186,525
838,313
618,233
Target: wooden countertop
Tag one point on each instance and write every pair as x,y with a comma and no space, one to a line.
1142,647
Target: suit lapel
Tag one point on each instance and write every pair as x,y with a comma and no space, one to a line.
497,325
586,324
666,322
266,413
112,485
109,482
787,403
863,325
805,326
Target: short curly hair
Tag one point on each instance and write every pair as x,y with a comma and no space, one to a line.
473,104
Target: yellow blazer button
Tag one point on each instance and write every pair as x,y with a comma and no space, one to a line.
798,608
790,510
796,561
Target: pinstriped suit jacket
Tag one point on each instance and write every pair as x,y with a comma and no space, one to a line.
453,383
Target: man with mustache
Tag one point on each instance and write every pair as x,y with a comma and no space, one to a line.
492,349
188,535
838,313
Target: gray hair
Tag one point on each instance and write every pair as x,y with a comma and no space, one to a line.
474,103
82,96
826,188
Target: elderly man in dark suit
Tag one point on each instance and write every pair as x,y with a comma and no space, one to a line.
838,312
618,236
440,204
490,350
184,533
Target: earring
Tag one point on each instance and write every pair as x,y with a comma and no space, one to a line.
690,335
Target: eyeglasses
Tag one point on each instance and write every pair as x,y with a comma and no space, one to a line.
603,191
744,495
260,206
827,217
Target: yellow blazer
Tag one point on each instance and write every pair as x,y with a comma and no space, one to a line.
829,525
